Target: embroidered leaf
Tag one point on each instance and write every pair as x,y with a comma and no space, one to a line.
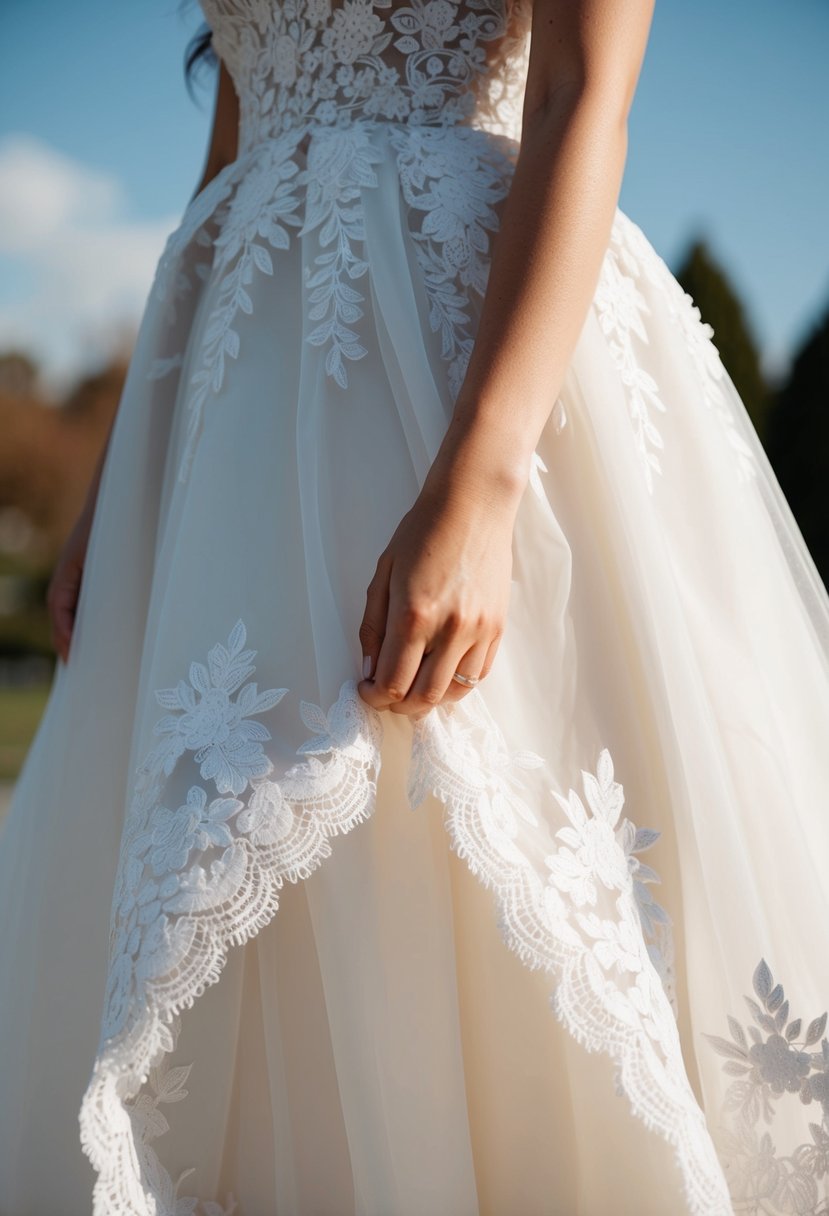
644,838
774,999
528,759
756,1011
199,677
737,1033
313,717
231,342
171,1084
816,1029
762,979
724,1048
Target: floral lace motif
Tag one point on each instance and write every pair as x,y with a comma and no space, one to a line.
194,881
451,178
316,84
609,994
771,1062
454,177
432,61
620,307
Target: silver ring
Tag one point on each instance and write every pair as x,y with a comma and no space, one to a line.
469,681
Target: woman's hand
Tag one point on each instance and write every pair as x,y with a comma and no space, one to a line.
438,600
65,583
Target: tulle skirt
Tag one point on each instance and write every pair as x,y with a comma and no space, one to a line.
558,948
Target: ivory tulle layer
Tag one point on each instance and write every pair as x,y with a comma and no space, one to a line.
634,799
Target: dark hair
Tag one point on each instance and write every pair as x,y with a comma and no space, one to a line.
199,53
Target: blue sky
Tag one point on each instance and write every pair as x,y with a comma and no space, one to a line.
101,147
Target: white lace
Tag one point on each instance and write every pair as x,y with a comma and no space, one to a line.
197,878
319,88
311,62
772,1064
621,309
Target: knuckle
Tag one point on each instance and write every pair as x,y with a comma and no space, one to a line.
392,692
456,622
415,617
432,695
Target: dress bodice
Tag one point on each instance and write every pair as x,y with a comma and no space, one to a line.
333,62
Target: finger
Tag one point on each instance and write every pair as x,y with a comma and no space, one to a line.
401,652
435,671
373,625
469,663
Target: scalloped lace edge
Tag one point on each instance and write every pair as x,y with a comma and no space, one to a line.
476,784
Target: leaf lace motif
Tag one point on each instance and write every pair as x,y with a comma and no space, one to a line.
339,167
454,176
772,1064
194,881
431,61
174,918
621,307
608,992
450,176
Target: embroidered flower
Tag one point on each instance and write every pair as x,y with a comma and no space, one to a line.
268,817
352,30
592,852
317,12
779,1064
770,1062
226,741
617,944
195,825
439,15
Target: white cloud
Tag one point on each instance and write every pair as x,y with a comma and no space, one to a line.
79,269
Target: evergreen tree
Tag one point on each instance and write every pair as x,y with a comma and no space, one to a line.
797,441
720,306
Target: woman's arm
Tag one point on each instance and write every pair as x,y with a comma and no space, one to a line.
438,599
585,59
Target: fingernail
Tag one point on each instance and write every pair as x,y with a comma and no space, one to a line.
366,666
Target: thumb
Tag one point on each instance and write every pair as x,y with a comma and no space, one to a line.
373,626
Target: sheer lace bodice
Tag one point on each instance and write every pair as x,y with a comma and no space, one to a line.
433,62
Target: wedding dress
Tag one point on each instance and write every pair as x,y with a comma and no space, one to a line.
559,948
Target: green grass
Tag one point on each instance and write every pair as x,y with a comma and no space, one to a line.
20,712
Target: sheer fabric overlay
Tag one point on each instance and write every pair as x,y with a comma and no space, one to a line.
637,785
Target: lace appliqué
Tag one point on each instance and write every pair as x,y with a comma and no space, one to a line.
313,79
195,880
451,178
340,166
433,61
621,306
772,1063
608,993
454,177
621,309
